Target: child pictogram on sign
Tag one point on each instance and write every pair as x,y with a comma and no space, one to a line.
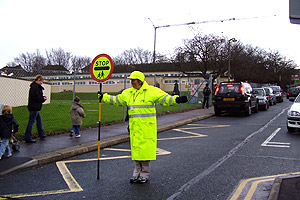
100,75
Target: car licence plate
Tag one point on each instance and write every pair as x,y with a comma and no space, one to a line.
228,99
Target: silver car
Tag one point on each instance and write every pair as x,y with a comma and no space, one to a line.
263,102
271,95
278,93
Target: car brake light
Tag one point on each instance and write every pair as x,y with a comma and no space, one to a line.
217,90
242,89
229,85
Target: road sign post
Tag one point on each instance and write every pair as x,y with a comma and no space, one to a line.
101,69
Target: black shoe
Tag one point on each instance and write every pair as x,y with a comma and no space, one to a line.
43,137
30,141
134,179
71,134
142,180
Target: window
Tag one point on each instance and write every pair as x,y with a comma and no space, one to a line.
110,83
80,83
93,83
172,81
66,83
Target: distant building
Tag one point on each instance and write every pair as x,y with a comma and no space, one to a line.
165,74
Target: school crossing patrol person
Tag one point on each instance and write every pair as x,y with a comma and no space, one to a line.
141,99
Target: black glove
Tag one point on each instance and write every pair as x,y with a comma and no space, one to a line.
181,99
100,96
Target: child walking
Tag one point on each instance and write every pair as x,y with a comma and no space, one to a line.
8,126
77,113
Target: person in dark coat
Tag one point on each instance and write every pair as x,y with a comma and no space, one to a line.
206,93
175,90
35,102
8,126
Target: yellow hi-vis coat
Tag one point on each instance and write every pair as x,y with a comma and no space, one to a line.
142,117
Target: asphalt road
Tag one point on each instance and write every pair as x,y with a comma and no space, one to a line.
209,159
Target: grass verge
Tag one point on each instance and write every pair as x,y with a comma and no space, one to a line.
56,115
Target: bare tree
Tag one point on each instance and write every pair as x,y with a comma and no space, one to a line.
137,56
59,57
79,63
253,64
31,61
279,66
258,65
206,52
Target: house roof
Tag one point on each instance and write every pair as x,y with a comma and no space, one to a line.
159,67
55,67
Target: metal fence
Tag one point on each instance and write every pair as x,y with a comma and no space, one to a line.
60,89
17,82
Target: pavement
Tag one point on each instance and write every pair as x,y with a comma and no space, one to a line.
62,146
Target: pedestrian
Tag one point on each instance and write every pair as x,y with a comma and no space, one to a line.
157,84
175,90
8,127
77,113
35,102
141,99
206,93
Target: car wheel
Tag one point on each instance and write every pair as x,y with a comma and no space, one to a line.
266,107
256,108
290,129
271,103
248,111
217,112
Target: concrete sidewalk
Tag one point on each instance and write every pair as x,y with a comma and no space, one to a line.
54,148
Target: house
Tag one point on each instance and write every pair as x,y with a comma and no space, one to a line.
165,74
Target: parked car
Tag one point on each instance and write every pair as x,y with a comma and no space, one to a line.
263,101
232,97
278,93
271,95
293,116
292,93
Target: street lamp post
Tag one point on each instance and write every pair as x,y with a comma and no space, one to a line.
229,55
184,24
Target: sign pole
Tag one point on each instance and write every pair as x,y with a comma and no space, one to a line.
101,69
99,124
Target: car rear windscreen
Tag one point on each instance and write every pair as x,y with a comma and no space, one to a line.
229,88
260,92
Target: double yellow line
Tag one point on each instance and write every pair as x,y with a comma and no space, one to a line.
254,184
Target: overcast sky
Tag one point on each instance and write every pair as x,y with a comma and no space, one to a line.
91,27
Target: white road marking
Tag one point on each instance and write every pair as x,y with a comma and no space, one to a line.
214,166
267,142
